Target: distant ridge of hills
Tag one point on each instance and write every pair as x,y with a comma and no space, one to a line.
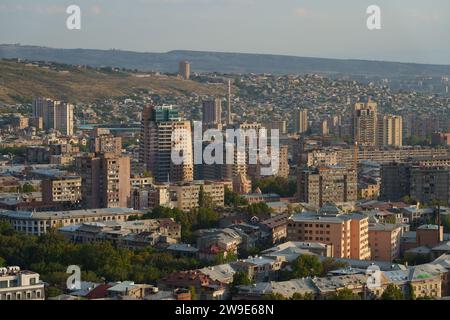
220,62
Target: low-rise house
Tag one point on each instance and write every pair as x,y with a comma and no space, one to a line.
128,234
205,286
276,227
291,250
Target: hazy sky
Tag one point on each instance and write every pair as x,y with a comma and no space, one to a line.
412,30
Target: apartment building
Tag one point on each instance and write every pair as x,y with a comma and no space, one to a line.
347,233
384,241
105,180
16,284
38,223
335,184
62,189
365,123
160,126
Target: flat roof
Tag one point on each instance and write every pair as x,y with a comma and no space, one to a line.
66,214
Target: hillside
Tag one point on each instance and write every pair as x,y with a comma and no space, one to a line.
220,62
20,82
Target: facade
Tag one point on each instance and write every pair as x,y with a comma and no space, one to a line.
103,141
63,189
16,284
428,184
105,180
38,223
348,234
185,196
335,184
184,70
55,114
212,113
395,181
301,121
384,241
390,131
128,234
158,125
365,123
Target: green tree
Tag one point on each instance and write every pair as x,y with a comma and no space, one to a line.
206,218
27,188
240,278
392,292
279,185
306,265
299,296
329,264
258,209
232,199
345,294
193,293
53,292
275,296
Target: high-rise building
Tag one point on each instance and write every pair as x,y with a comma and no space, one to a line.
301,120
390,131
428,184
334,184
212,113
56,115
105,180
229,112
160,126
184,70
395,181
365,123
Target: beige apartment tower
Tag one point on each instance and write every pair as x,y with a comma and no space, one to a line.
301,120
390,131
365,123
160,127
184,70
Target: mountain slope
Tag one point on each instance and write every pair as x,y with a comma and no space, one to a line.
220,62
21,82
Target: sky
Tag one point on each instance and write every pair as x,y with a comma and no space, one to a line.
411,30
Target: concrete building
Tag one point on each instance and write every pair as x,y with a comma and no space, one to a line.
347,233
38,223
127,234
301,120
158,125
428,184
56,115
384,241
395,181
16,284
390,131
335,184
105,180
184,70
102,141
63,189
212,114
365,123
